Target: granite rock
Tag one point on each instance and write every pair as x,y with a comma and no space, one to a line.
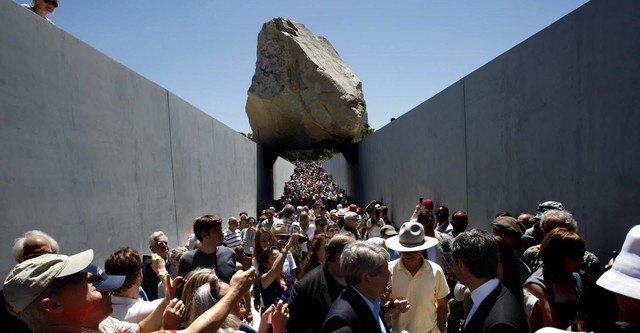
302,94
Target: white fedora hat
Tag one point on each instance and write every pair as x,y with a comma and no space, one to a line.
624,276
411,238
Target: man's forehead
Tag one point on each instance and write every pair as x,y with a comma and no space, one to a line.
37,244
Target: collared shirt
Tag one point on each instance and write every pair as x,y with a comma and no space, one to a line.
374,305
422,290
444,227
233,239
479,294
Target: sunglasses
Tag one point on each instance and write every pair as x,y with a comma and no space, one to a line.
334,230
54,3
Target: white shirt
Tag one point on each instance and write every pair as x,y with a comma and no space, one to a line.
111,325
132,310
479,294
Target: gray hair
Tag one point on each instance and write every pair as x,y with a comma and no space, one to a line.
559,218
359,258
153,236
18,243
202,301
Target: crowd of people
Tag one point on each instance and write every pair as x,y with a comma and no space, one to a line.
321,263
309,184
316,261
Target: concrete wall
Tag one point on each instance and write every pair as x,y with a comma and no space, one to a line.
99,157
554,118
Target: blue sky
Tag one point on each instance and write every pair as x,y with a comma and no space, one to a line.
403,51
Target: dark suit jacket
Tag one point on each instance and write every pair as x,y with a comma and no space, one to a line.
498,313
311,299
351,314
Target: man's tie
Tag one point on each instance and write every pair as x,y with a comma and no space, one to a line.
467,310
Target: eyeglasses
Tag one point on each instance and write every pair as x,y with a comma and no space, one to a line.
334,230
54,3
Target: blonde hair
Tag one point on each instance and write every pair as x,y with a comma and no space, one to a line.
193,281
304,221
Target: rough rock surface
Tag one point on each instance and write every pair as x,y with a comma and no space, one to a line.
302,94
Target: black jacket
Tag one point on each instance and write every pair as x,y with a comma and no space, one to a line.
498,313
351,314
311,299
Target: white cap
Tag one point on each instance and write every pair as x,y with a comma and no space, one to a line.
30,278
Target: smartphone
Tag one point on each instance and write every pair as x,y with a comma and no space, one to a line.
302,239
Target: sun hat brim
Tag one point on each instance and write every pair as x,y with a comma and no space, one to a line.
395,244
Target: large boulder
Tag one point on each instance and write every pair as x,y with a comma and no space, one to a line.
302,94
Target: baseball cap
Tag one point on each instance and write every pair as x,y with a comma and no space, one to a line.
353,208
388,230
508,223
30,278
547,205
427,203
102,281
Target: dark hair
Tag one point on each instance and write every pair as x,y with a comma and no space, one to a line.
257,249
337,243
127,262
204,224
312,257
559,244
478,251
424,215
511,278
264,259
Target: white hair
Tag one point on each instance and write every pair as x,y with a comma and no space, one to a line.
18,243
153,236
559,216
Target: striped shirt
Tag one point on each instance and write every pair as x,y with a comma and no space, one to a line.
232,239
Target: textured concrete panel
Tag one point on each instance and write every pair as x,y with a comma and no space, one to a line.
421,153
282,171
85,142
214,167
100,157
554,118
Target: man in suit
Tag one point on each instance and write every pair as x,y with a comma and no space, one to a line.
313,295
357,310
493,308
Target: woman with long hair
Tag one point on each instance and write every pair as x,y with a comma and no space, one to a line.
265,239
317,254
193,281
273,283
